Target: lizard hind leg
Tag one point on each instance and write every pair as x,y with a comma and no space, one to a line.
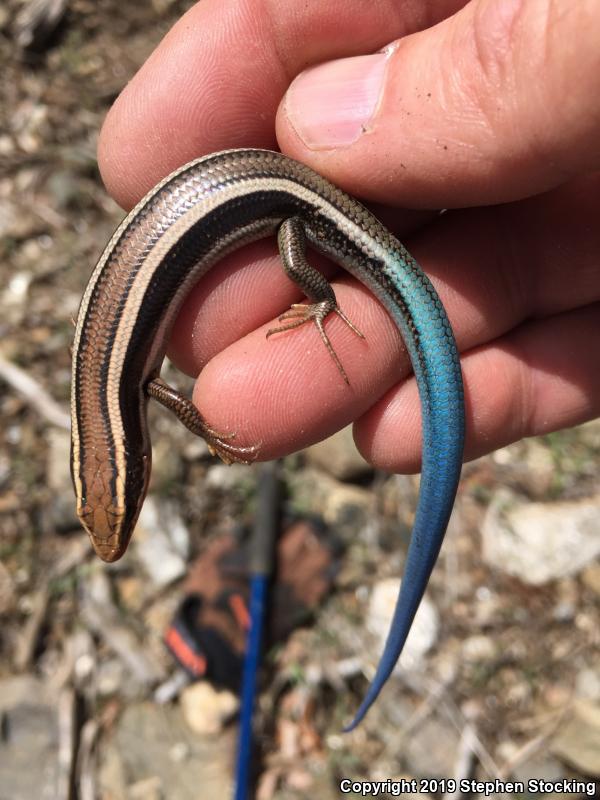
292,248
186,412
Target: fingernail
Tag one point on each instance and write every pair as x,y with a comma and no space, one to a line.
333,104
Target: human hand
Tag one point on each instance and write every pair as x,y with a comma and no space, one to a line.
481,107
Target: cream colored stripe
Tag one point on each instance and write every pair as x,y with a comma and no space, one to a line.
85,301
153,261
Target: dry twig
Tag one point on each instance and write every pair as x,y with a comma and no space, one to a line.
34,394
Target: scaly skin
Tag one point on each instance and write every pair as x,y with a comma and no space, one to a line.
172,238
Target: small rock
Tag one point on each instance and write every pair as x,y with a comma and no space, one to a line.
540,542
349,509
338,456
587,683
518,693
578,740
478,649
80,650
589,434
17,290
110,677
162,541
179,752
423,633
564,612
132,593
591,578
530,463
504,456
344,503
226,477
540,467
488,607
206,709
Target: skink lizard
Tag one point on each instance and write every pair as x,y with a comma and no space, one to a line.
174,236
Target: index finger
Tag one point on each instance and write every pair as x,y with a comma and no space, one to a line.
217,78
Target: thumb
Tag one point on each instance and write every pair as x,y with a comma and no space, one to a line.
497,102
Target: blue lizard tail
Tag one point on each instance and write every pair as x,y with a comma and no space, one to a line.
383,264
422,555
436,365
438,489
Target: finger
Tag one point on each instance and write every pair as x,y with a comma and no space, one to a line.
494,268
492,104
249,289
286,391
500,274
217,78
540,378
